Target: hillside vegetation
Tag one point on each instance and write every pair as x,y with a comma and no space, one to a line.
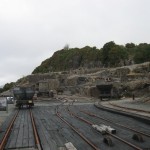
7,86
110,55
69,59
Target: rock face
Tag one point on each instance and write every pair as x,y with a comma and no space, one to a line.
125,80
48,85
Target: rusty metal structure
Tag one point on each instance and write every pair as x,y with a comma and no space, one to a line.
23,96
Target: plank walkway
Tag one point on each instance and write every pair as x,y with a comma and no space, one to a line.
22,132
54,133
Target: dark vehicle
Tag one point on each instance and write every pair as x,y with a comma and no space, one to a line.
105,90
23,96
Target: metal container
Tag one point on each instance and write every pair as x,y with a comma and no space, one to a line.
23,96
19,93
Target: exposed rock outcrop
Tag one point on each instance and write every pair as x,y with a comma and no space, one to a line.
125,80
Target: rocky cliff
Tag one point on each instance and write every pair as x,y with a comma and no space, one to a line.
125,81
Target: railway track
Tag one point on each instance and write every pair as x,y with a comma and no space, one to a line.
137,132
61,124
110,121
82,130
118,138
21,132
76,130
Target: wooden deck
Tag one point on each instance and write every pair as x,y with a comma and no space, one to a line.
22,133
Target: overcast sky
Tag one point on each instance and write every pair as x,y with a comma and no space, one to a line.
32,30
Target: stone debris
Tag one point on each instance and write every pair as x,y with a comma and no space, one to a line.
104,129
70,146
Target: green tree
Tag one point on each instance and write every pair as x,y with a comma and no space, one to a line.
1,90
130,45
142,53
105,52
116,55
7,86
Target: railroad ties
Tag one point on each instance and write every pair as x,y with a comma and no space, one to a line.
22,133
17,131
72,127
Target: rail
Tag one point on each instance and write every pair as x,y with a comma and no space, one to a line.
8,131
118,124
77,131
120,139
37,140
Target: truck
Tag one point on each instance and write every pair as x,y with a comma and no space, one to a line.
23,96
